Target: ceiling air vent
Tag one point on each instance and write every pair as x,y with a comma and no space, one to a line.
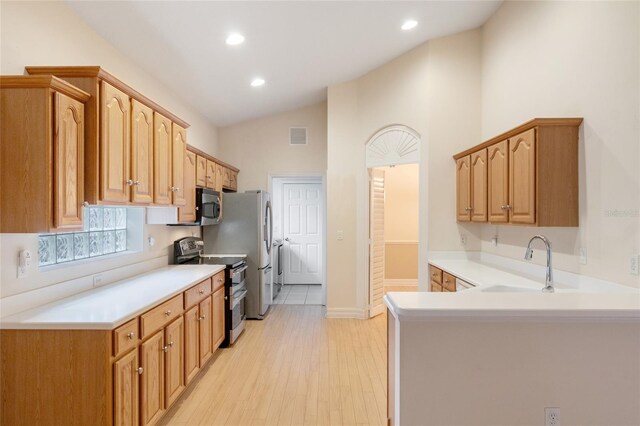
297,135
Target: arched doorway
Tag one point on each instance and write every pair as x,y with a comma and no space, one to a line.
392,146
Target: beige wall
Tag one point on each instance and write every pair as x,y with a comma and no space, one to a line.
261,147
559,59
401,230
427,89
49,33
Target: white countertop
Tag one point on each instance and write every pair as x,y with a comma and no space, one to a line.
569,300
107,307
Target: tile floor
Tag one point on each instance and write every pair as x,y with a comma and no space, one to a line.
299,294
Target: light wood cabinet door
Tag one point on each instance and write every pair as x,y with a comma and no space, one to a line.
191,344
162,159
219,177
115,122
174,361
479,186
234,181
201,171
125,390
211,174
205,311
179,151
187,213
141,153
498,178
435,287
226,177
463,189
217,333
68,146
522,177
152,379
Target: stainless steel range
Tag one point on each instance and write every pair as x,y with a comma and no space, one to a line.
188,251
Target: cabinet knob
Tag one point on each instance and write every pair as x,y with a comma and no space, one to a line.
129,182
130,335
170,344
136,183
85,204
165,348
140,370
168,313
506,207
446,281
202,317
201,292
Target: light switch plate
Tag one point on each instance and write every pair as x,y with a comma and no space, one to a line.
634,268
583,256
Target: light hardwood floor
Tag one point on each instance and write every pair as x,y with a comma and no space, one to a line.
294,368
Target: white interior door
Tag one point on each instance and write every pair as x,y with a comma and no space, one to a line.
376,242
302,233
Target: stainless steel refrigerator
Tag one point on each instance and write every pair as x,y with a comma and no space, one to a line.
246,228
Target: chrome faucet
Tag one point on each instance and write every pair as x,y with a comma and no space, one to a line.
548,287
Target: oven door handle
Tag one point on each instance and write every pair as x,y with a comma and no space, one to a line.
239,269
236,300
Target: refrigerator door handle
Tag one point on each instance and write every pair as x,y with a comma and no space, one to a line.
269,236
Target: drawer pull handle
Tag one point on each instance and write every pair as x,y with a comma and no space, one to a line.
168,312
140,370
130,335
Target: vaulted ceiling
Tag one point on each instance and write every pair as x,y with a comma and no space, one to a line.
299,48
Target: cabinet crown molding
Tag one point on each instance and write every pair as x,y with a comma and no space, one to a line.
43,81
100,73
536,122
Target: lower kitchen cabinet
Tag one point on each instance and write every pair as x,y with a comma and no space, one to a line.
174,360
217,334
152,379
206,347
191,344
129,376
125,390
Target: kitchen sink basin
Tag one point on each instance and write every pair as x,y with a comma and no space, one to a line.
510,289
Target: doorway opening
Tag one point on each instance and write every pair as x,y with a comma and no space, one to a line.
393,158
299,223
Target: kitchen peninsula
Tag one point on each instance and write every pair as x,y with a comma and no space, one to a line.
520,351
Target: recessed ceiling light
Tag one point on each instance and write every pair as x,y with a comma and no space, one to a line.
257,82
235,39
409,25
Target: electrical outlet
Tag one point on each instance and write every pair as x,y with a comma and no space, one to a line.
463,239
583,255
494,241
552,416
97,280
634,268
340,235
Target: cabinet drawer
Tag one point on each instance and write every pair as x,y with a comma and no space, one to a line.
435,274
125,337
218,280
448,281
162,314
197,293
435,286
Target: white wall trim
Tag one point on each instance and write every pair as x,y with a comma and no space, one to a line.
355,313
401,282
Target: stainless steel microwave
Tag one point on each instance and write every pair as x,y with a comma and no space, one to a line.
208,207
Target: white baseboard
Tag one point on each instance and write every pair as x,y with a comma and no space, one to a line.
401,283
346,313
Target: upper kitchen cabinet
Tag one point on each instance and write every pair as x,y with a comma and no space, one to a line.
142,151
211,174
498,182
41,154
121,162
201,171
532,173
187,213
178,154
463,189
162,161
479,186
